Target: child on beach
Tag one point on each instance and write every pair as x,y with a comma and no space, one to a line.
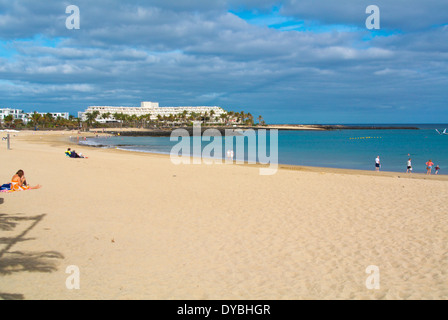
429,165
409,166
377,163
437,168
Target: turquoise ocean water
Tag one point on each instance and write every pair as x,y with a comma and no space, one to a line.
349,149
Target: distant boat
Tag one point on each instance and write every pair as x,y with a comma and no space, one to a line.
444,132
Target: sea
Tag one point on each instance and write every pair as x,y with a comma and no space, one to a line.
345,148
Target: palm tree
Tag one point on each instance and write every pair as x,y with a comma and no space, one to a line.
184,115
18,123
36,117
59,121
242,117
148,118
237,116
8,120
159,118
250,119
143,119
47,119
118,117
223,117
106,115
193,116
91,117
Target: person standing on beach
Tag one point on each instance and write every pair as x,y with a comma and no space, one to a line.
429,165
409,166
437,168
377,163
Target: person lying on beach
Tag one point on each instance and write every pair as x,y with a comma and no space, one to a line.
77,155
18,182
73,154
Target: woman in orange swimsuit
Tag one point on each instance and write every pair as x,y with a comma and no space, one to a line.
429,165
18,182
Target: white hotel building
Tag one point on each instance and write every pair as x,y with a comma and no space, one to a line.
18,114
151,108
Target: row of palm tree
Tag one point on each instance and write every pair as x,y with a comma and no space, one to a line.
47,121
184,118
36,120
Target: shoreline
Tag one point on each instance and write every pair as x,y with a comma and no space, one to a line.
64,140
166,132
284,166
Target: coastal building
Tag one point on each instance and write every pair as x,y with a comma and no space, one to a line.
64,115
151,108
16,114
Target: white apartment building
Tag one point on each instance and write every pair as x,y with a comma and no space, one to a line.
17,114
151,108
64,115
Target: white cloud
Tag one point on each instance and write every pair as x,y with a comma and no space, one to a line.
184,52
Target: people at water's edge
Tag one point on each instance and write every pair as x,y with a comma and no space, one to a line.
409,166
437,168
377,163
429,166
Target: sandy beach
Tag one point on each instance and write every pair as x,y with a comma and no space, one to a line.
139,227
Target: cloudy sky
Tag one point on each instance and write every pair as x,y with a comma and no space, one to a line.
292,61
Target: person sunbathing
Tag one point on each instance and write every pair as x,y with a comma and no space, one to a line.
18,182
73,154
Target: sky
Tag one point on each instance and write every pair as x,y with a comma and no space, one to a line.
291,61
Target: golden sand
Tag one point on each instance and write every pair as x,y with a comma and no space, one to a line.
139,227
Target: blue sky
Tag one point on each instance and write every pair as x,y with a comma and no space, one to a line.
293,61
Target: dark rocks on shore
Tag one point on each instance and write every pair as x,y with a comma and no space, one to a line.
167,132
222,130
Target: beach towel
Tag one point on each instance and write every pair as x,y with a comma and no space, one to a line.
15,186
6,188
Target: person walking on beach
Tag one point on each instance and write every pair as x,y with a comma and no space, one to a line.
409,166
429,165
230,154
377,163
437,168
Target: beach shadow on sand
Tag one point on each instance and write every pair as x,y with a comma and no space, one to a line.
19,261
